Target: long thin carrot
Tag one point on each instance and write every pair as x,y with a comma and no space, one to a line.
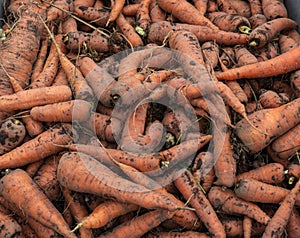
188,187
276,226
25,194
39,63
247,227
183,10
30,151
106,183
281,64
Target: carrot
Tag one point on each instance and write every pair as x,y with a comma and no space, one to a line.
61,78
285,146
230,22
30,151
178,234
191,191
69,25
281,64
244,56
201,5
156,13
89,169
247,226
277,224
32,168
58,10
98,16
9,226
21,195
293,224
211,53
129,32
41,57
283,88
89,3
77,208
34,97
79,86
273,9
12,133
140,225
255,191
237,90
294,170
255,7
286,43
225,6
143,14
46,179
116,9
159,30
69,111
104,213
263,34
183,11
211,6
271,99
256,20
242,8
272,173
130,9
228,202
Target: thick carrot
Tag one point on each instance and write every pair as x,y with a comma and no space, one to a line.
255,7
98,16
140,225
46,179
272,173
230,22
228,202
130,9
156,13
286,43
271,99
256,20
201,5
30,151
243,56
12,133
34,97
211,53
104,213
54,12
293,225
26,195
77,208
159,30
276,226
242,8
183,10
69,25
255,191
130,33
284,63
273,9
89,3
106,183
285,146
32,168
73,110
247,226
263,34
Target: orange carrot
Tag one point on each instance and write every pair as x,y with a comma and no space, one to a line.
89,3
174,234
293,226
183,10
32,168
104,213
46,179
159,30
294,170
9,226
255,191
140,225
263,34
256,20
286,43
130,33
26,195
56,14
39,63
201,5
69,25
281,64
210,53
34,97
276,226
255,7
106,182
130,9
228,202
273,9
61,78
244,56
272,173
116,9
98,16
242,8
247,226
156,13
271,99
143,15
30,151
12,133
237,90
74,110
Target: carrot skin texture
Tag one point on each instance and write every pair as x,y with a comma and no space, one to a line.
276,226
9,226
187,186
273,9
271,124
21,195
281,64
45,143
34,97
95,183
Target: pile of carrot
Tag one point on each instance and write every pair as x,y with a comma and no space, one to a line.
149,118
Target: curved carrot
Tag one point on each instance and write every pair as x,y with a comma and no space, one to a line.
281,64
115,10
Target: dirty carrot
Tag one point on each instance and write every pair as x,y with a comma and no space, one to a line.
143,15
273,9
